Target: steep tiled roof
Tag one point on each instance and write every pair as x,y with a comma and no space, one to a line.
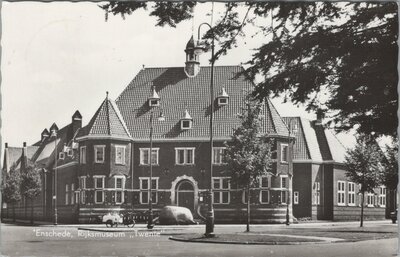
338,151
107,121
315,142
178,93
274,123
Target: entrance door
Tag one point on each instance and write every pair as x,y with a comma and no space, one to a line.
185,195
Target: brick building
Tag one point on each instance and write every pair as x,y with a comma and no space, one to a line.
104,166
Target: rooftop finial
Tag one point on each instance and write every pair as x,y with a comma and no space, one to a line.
107,94
143,66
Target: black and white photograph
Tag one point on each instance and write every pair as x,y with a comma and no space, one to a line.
180,128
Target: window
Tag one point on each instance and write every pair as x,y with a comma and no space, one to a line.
82,156
186,124
144,190
221,194
284,181
317,193
154,102
219,155
70,153
61,156
296,197
99,186
351,193
222,101
66,194
264,182
264,196
82,186
119,189
99,153
284,152
184,156
284,197
145,156
72,193
370,199
119,154
341,193
382,196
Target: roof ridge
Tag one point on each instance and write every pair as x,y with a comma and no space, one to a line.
121,119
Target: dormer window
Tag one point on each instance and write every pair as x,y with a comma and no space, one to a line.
186,121
70,153
154,99
61,156
223,98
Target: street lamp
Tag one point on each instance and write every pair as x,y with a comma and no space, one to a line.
154,101
54,133
294,130
210,212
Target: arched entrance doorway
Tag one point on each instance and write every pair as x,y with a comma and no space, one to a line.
185,194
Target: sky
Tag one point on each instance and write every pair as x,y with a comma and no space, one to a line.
61,57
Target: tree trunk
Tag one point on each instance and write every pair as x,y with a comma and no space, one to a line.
31,211
14,212
248,210
362,209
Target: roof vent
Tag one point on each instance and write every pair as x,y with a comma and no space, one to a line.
223,98
186,121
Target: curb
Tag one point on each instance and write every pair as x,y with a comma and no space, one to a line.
253,243
134,230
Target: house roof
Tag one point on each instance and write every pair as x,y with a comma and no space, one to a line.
12,155
107,121
178,93
315,142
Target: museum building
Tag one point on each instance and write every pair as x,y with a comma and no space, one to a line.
105,166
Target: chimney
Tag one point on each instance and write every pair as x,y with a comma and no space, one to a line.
320,117
6,163
76,122
23,156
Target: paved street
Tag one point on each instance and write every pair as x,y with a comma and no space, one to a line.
69,241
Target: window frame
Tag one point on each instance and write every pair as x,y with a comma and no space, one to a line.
61,155
141,156
382,196
351,194
221,103
283,146
96,147
123,161
286,177
119,190
372,197
220,190
222,156
341,192
66,194
98,189
146,190
82,185
261,198
185,155
296,197
82,155
190,123
72,193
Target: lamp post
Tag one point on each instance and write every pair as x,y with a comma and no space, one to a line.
210,212
290,129
153,101
54,133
